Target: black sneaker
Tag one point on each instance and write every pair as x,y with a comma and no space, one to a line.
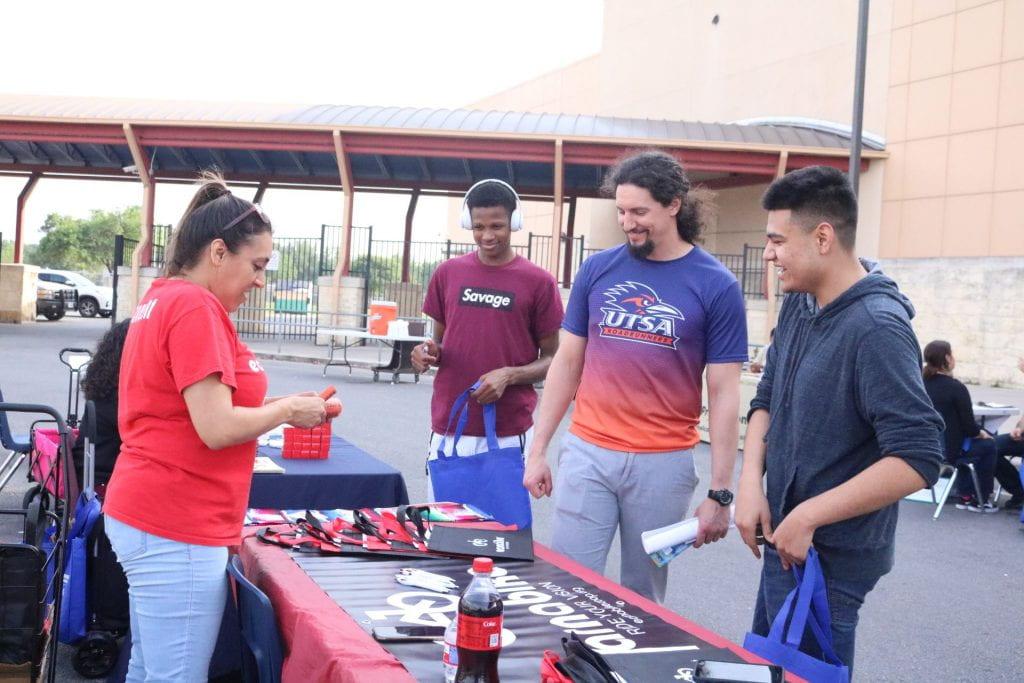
987,508
1015,504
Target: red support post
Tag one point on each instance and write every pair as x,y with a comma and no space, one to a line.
23,196
148,199
407,243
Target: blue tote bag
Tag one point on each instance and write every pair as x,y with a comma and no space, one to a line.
806,605
74,617
491,481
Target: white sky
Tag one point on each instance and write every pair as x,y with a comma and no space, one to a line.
440,53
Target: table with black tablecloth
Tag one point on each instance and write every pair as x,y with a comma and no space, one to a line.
326,605
348,478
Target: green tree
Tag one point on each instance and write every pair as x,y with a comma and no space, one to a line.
85,244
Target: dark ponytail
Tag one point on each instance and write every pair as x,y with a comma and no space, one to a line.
663,176
212,208
935,357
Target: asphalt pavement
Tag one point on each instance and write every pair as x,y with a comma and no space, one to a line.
949,611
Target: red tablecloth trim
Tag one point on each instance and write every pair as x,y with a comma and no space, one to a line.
312,624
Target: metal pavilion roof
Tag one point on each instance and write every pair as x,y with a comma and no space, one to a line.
429,149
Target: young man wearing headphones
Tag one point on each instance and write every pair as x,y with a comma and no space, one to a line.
496,319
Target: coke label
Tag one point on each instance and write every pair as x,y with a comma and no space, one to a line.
479,633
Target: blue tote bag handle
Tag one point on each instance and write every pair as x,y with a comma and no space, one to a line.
491,481
460,410
806,605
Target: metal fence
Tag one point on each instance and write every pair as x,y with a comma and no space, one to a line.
749,269
287,307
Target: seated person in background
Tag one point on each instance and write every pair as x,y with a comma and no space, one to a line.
1008,446
107,585
100,387
760,358
965,442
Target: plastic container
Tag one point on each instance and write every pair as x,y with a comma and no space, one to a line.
450,656
398,328
381,313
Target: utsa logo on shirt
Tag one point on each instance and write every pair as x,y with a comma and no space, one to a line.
487,298
634,312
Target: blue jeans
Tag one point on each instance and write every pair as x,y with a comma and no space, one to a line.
1006,473
845,597
176,594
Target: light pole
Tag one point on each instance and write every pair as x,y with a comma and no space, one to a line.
858,95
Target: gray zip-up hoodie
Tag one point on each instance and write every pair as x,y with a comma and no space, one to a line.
843,389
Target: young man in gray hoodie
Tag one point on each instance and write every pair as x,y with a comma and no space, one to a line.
841,424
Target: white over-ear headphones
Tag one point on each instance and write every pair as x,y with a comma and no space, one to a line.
515,220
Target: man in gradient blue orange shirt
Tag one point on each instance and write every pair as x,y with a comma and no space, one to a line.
644,321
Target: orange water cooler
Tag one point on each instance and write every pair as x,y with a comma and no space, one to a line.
381,313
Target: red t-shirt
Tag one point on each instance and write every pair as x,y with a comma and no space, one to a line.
166,481
493,317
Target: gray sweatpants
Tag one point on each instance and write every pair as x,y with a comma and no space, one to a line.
598,490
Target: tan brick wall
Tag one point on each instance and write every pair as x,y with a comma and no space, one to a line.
954,184
349,314
18,292
124,288
975,304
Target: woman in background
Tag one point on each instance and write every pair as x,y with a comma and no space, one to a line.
965,441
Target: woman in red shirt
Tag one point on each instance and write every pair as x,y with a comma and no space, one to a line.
192,401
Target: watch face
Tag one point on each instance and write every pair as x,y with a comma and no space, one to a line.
723,497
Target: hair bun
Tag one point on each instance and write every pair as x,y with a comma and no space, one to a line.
211,187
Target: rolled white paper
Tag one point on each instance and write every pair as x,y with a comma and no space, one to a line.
684,532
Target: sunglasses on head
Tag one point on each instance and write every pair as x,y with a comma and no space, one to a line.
254,209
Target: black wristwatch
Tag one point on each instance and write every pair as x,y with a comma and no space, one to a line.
723,496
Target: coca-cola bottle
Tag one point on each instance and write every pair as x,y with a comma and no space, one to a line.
479,627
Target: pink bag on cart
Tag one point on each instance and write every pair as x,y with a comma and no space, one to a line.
44,460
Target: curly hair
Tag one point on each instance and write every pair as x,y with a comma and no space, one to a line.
663,176
102,373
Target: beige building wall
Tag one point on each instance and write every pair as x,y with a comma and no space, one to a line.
955,130
666,59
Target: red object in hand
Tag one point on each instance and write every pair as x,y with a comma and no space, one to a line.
307,444
333,409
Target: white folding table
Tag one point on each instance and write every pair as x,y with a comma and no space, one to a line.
401,351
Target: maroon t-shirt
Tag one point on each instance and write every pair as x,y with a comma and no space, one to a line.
493,317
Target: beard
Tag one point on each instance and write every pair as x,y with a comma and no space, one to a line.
641,251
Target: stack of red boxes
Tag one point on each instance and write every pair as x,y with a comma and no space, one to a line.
307,444
315,443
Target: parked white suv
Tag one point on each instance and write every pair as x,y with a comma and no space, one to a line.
92,298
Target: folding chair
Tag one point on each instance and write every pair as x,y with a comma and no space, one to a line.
953,470
261,642
19,450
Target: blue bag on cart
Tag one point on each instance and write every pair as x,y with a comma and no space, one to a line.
74,608
805,606
491,481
